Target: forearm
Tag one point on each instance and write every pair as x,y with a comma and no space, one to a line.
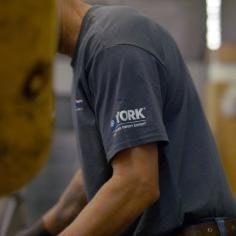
68,207
112,210
63,213
37,229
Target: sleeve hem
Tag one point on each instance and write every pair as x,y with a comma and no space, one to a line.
136,142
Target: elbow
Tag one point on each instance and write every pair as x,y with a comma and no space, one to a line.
145,190
155,196
148,192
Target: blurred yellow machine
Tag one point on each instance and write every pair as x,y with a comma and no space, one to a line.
27,48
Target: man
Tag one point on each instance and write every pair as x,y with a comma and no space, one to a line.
149,161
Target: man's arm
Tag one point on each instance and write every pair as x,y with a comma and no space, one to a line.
132,188
64,212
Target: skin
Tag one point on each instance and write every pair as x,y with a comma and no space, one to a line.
134,185
70,17
68,207
72,201
132,188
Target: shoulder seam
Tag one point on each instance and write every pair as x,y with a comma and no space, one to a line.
130,45
146,50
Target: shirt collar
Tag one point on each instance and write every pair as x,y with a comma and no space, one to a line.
84,27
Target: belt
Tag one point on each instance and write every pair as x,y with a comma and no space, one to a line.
214,227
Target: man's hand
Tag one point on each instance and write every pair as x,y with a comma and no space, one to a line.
133,187
64,212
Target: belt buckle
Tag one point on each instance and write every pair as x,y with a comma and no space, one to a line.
220,221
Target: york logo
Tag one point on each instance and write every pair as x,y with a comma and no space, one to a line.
130,115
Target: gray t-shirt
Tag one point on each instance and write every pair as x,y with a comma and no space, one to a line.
131,87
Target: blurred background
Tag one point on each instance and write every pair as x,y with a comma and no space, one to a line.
206,34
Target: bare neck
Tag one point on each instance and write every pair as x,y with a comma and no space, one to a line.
71,14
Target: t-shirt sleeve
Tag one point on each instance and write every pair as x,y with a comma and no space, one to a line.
128,104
